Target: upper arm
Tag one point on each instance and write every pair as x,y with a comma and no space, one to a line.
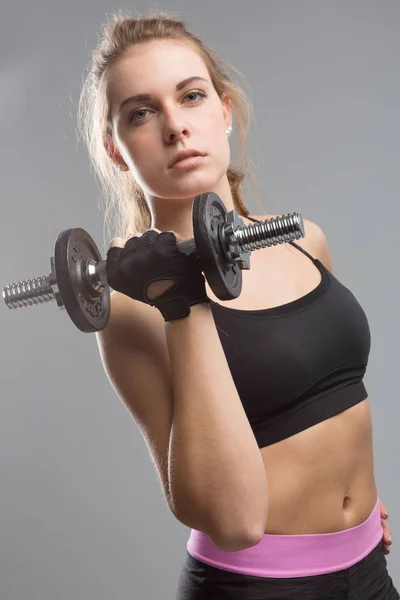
135,357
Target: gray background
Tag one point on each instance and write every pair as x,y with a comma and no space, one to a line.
81,511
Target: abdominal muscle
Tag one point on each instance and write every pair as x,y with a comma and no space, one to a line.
321,480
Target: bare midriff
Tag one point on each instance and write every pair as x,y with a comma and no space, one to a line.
321,480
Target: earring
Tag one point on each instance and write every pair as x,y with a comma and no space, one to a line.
229,131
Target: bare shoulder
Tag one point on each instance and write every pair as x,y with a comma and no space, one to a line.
314,240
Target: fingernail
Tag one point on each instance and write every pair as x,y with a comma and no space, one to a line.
385,515
390,539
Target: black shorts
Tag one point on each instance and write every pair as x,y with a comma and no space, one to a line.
366,580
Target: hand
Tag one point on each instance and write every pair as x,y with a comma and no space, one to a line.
386,531
156,288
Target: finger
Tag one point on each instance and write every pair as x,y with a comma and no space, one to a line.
151,229
147,238
384,513
178,237
117,242
387,536
120,242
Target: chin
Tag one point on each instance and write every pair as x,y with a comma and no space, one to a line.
193,185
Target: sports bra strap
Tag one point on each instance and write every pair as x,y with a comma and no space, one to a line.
302,250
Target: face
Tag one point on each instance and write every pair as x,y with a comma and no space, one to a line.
174,116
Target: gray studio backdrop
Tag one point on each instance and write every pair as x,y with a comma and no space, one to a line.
81,511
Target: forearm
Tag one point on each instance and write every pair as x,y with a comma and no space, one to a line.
216,473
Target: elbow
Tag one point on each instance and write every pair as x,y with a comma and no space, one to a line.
228,539
230,543
234,539
231,535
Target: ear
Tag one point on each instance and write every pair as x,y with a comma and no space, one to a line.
227,108
113,153
110,148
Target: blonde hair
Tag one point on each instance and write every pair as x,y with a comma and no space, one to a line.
127,205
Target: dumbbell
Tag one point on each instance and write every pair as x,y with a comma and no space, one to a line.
222,243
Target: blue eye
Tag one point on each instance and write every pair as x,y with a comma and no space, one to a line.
202,94
133,115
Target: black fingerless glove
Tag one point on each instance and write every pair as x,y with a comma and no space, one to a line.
153,257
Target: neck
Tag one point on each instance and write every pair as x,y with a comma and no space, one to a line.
176,215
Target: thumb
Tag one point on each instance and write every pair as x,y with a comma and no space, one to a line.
179,238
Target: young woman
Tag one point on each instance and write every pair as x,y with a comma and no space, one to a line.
254,410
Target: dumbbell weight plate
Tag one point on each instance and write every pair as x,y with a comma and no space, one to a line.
208,216
89,310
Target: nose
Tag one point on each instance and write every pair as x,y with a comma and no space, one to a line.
175,130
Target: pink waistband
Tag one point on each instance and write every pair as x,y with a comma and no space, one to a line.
294,555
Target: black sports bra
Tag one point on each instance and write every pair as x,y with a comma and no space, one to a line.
300,363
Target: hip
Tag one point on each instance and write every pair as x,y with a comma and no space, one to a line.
288,556
368,579
335,566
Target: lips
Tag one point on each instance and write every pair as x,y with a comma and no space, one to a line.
185,154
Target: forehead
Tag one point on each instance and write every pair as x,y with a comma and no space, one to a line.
153,67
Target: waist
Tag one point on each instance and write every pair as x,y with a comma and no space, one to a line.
322,479
283,556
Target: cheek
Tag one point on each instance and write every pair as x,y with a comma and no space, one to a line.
144,155
220,149
216,139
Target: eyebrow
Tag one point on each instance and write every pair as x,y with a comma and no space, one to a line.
149,97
